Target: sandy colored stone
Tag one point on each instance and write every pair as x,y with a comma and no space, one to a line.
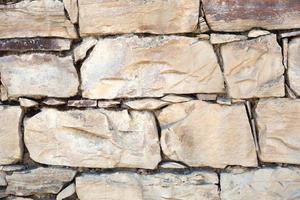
207,97
72,9
10,168
261,184
81,50
254,68
37,18
176,98
27,103
278,130
135,16
108,104
82,103
150,67
199,134
10,136
257,33
67,192
39,75
195,186
146,104
38,181
94,138
2,179
294,64
54,102
216,38
238,15
289,34
171,165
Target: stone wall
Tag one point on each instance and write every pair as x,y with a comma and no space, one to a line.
150,99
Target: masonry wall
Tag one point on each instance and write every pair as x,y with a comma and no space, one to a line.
150,99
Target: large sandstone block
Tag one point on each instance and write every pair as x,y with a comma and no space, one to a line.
194,186
200,134
38,75
37,18
279,128
254,68
261,184
94,138
294,65
238,15
10,138
136,16
150,66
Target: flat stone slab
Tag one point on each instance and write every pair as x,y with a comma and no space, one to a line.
294,64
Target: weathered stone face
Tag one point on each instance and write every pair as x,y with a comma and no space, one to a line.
146,104
254,68
135,16
38,75
204,134
278,128
93,138
238,15
194,186
269,183
10,138
294,65
150,66
37,18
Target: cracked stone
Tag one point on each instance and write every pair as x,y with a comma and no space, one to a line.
81,50
2,179
146,104
294,64
225,38
54,102
72,9
67,192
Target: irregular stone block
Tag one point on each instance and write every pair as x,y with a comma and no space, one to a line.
54,102
238,15
146,104
27,103
37,18
225,38
81,50
294,64
39,75
94,138
194,186
172,165
257,33
67,192
278,128
82,103
199,134
72,9
290,34
150,67
268,183
135,16
2,179
254,68
108,104
207,97
172,98
38,181
10,138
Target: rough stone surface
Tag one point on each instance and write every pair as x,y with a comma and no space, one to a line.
290,34
150,66
278,128
108,104
185,138
254,68
294,65
72,9
176,98
257,33
37,18
238,15
207,97
38,181
54,102
2,179
39,74
82,103
146,104
10,138
194,186
135,16
81,50
27,103
269,183
172,165
93,138
67,192
225,38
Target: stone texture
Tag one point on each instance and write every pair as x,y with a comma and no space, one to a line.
257,33
238,15
72,9
185,138
27,103
294,65
207,97
150,67
278,128
2,179
176,98
225,38
254,68
146,104
39,74
194,186
67,192
82,103
81,50
94,138
37,18
10,138
54,102
38,181
290,34
108,104
268,183
171,165
135,16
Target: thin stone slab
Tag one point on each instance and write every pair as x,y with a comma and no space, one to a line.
257,33
2,179
146,104
225,38
293,61
81,50
82,103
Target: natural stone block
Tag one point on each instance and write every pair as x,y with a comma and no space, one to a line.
37,18
94,138
27,103
82,103
238,15
254,68
72,8
2,179
257,33
225,38
67,192
278,128
201,134
268,183
194,186
150,67
172,98
81,50
10,138
294,64
108,104
38,75
135,16
146,104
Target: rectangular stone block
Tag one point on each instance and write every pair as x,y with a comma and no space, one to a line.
94,138
278,129
116,186
254,68
241,15
100,17
150,67
200,134
294,64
